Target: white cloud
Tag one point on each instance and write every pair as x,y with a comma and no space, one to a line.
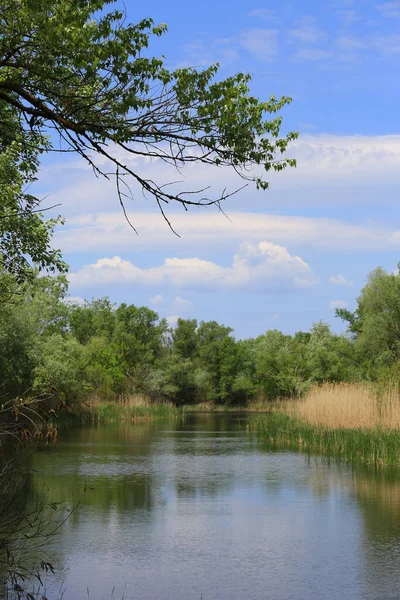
313,54
394,238
263,13
74,300
308,126
306,32
255,267
157,299
386,44
109,232
346,156
348,42
348,17
340,280
349,160
337,304
173,320
390,10
204,52
181,304
261,43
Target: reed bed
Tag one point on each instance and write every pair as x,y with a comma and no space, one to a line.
131,408
252,406
348,421
350,406
370,446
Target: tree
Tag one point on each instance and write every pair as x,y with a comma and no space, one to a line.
74,69
280,364
375,324
59,369
332,357
24,235
184,337
93,319
37,312
218,360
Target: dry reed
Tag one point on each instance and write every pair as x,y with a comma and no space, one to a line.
349,406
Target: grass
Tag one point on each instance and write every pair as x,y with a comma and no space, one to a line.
346,421
132,408
141,408
252,406
350,406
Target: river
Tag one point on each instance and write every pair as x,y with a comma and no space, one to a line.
200,509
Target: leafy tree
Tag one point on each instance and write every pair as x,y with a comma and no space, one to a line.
93,319
331,357
77,69
218,357
24,236
279,364
138,339
59,369
375,324
103,371
245,383
37,311
185,339
138,333
173,379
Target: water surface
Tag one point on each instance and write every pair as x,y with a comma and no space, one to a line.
184,510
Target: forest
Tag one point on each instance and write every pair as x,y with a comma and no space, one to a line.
68,353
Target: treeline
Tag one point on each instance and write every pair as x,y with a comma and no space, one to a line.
70,352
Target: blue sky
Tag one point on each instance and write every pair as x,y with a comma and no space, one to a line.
287,257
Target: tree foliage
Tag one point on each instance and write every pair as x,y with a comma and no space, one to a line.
375,324
79,70
25,237
67,353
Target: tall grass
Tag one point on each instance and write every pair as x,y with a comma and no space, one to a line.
251,406
350,406
370,446
131,408
348,421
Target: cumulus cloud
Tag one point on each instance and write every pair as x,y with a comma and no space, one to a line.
340,280
337,304
157,299
256,267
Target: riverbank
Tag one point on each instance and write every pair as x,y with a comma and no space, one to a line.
351,422
113,412
139,408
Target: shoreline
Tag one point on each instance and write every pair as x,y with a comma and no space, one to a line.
113,411
377,446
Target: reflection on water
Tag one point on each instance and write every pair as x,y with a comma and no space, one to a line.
176,510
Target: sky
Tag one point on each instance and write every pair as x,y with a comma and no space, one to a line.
283,258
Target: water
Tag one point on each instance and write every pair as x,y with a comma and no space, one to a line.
180,511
